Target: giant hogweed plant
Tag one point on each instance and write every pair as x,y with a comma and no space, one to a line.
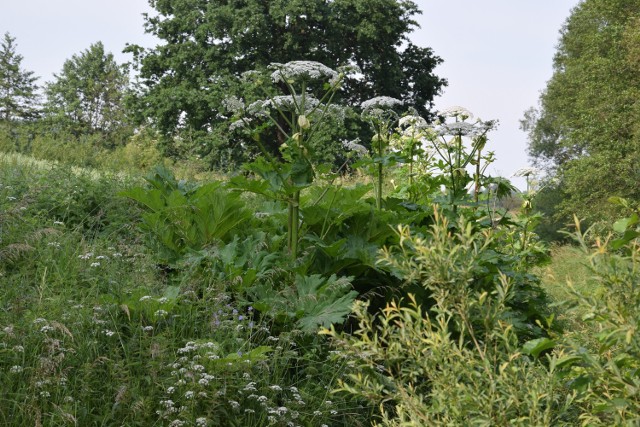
297,116
380,113
448,139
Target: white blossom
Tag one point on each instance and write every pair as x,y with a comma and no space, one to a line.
356,147
457,111
380,102
525,172
410,121
303,70
233,104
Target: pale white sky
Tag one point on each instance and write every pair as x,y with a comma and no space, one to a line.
497,53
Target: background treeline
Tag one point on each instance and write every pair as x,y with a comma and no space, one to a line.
586,129
169,101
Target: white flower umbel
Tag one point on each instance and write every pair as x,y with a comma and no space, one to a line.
302,70
380,102
233,104
355,147
415,122
282,103
526,172
471,130
457,112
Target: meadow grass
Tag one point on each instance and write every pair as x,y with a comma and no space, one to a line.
93,332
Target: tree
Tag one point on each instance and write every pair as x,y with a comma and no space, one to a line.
208,44
587,127
88,96
18,89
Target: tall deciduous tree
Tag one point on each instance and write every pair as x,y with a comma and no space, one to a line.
87,96
209,43
587,127
18,88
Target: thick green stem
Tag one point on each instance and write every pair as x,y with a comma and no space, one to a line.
295,224
476,195
379,187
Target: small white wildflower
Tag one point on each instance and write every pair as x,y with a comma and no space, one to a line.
108,333
101,257
189,394
317,413
11,198
176,423
203,382
69,399
234,404
144,298
170,390
39,320
147,328
275,387
249,411
333,412
16,369
54,244
163,300
86,256
18,348
45,394
45,329
160,313
262,399
201,422
95,264
116,255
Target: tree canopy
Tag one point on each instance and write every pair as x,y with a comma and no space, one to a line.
587,127
18,88
208,44
87,96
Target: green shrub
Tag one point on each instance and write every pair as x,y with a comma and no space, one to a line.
608,377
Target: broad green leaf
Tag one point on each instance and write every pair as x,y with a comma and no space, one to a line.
537,346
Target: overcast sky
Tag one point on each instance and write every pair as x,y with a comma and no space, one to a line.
497,53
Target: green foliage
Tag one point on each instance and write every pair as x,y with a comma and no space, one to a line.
206,45
586,128
311,302
411,365
607,375
87,97
182,218
453,256
18,89
90,332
